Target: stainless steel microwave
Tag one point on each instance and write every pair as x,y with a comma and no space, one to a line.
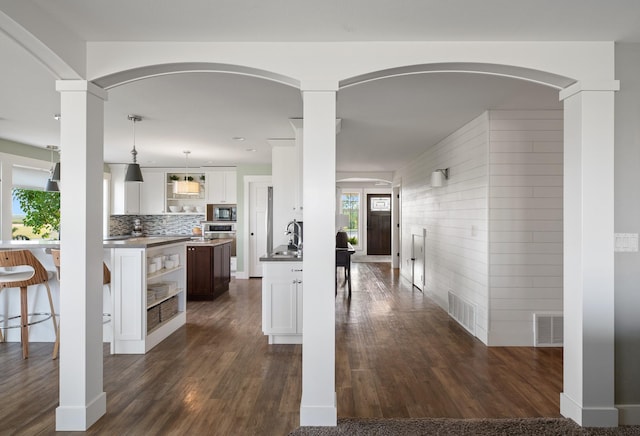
221,212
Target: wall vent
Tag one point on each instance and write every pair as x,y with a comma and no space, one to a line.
463,312
548,330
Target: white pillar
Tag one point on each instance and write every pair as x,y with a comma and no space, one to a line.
82,400
318,406
588,396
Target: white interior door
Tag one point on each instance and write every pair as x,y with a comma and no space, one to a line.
257,226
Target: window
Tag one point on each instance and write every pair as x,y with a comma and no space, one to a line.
350,202
380,204
35,214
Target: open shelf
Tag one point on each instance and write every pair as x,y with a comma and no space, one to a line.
163,299
163,272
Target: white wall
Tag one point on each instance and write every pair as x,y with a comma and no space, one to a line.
494,229
525,221
455,216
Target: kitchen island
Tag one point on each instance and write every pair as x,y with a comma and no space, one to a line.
208,268
139,319
148,285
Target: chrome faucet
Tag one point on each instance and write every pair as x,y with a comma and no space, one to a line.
291,231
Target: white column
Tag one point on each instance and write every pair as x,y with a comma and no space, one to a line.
82,400
588,396
318,406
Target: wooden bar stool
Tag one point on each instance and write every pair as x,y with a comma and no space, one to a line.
106,280
21,270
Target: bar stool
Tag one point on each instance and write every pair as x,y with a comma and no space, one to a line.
106,280
21,270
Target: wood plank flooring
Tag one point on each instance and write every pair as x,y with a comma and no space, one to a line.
397,355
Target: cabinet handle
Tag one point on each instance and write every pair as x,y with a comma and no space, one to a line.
299,282
296,270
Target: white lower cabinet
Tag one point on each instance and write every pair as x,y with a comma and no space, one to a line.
282,302
141,321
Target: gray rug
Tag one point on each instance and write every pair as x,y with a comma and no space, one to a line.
475,427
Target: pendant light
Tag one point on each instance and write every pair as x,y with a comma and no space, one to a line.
186,186
52,185
133,169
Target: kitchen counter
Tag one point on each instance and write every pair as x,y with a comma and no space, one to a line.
29,245
129,242
208,242
144,241
276,257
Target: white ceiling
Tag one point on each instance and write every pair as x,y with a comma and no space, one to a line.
385,123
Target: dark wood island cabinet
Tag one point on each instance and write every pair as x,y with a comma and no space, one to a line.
208,269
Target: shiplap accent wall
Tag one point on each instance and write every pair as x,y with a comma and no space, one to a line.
525,221
455,216
494,229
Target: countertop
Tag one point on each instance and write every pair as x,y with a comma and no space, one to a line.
273,257
135,242
144,241
209,242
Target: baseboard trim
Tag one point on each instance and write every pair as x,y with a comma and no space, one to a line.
629,414
319,416
242,275
588,416
71,418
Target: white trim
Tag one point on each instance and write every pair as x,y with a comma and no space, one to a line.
588,416
326,416
628,414
81,86
78,418
600,85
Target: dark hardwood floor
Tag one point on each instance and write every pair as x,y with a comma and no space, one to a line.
398,355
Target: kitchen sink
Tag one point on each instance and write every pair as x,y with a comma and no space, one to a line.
286,253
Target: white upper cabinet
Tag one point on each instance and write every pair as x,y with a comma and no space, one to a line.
125,196
221,187
152,192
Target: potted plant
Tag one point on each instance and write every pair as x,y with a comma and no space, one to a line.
174,178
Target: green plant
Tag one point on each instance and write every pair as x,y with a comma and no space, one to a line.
174,177
353,240
202,177
189,178
41,210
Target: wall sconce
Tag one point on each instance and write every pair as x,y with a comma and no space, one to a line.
437,175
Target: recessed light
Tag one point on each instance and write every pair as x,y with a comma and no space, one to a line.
251,149
238,138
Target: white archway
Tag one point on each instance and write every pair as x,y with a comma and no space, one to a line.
320,69
588,394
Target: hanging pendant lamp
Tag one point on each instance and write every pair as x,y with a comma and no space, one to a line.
133,169
52,185
186,186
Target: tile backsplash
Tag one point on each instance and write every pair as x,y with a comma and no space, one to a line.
155,224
